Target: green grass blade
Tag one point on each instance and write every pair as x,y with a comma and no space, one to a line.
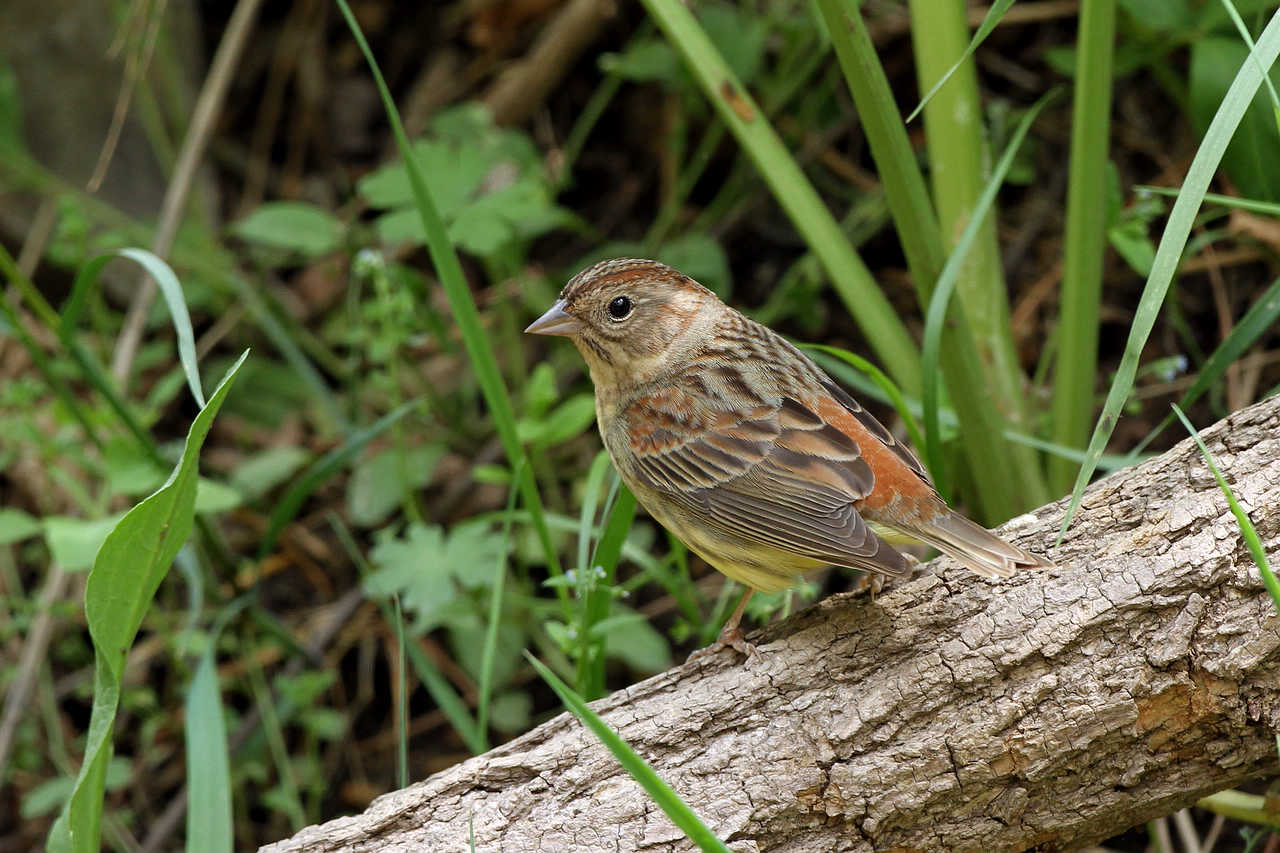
1169,252
125,575
885,384
1108,461
1269,208
989,22
1253,51
490,652
465,313
935,317
322,469
659,791
590,670
209,826
853,282
1247,530
620,513
1261,317
904,185
1075,377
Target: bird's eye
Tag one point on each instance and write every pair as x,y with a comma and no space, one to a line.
620,307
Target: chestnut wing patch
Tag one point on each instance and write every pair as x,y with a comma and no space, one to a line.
772,473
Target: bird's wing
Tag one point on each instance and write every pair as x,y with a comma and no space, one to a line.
773,472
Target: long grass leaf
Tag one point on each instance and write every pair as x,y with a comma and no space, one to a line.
1238,98
620,512
1269,208
490,651
1247,530
465,313
209,827
125,575
905,189
989,22
882,381
659,791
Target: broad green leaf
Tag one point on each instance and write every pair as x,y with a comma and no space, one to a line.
294,226
1252,159
16,525
74,542
262,472
644,61
126,573
379,483
630,638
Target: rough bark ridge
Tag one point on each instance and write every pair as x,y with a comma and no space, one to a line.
1050,710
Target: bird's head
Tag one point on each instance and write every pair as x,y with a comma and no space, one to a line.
632,320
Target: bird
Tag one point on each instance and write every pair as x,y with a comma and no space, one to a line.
739,444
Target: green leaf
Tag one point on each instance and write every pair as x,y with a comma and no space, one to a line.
1251,158
658,790
126,573
511,712
209,826
74,542
293,226
263,471
701,257
644,61
630,638
213,497
16,525
738,34
380,483
564,422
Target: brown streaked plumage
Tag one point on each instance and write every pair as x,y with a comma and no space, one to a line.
739,444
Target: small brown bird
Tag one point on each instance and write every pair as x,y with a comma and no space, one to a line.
741,446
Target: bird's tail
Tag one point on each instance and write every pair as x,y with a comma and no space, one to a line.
975,547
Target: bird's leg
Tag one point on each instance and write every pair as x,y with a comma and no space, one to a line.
731,635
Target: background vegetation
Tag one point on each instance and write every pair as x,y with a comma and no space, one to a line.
399,492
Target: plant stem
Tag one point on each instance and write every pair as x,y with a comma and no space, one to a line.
1075,378
959,167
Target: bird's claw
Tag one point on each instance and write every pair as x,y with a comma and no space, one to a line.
730,638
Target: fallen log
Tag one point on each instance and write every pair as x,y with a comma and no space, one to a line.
1047,711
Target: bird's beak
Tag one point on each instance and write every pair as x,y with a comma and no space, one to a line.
556,321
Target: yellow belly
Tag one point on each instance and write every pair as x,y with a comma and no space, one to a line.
758,566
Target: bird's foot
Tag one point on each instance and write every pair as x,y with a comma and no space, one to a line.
730,638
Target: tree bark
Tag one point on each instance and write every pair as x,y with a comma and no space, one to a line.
1047,711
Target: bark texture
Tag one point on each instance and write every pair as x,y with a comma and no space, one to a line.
1047,711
